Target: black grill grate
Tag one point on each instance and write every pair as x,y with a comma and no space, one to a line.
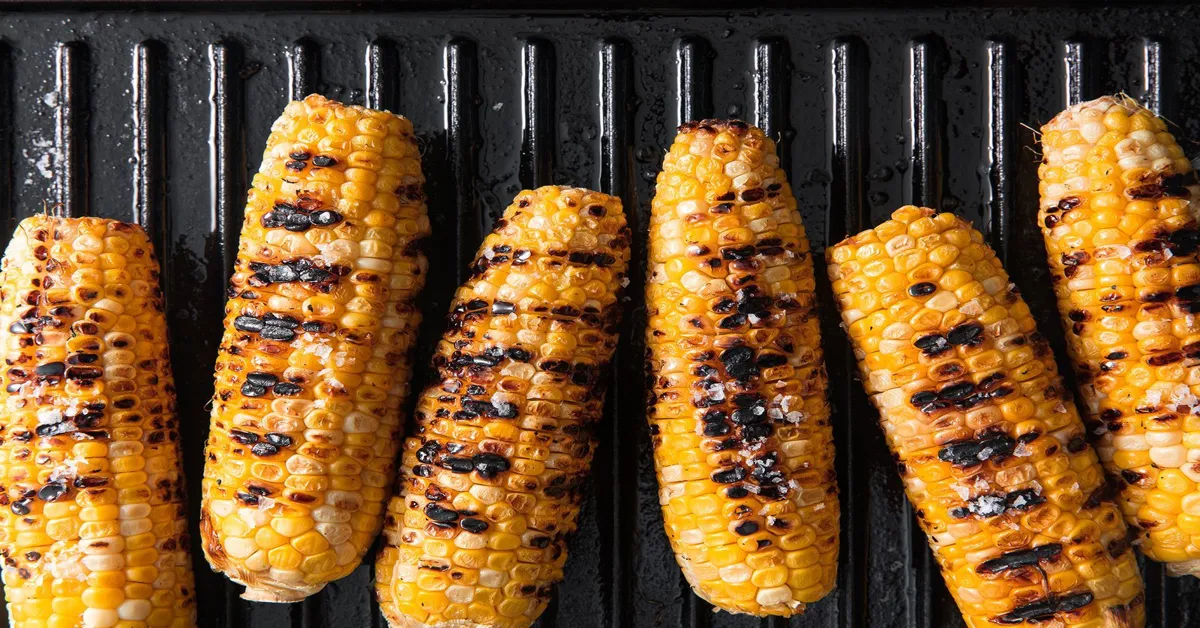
160,117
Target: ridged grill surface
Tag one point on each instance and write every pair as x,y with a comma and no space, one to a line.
159,117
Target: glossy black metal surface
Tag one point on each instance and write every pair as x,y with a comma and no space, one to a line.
160,117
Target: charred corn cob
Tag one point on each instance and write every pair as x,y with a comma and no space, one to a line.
1121,237
739,418
990,447
92,522
491,481
313,366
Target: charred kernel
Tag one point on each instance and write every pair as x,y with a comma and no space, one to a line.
736,492
281,273
739,252
325,218
296,222
923,397
957,391
757,431
489,465
300,156
457,465
286,388
440,514
932,344
273,332
18,328
295,165
749,416
51,492
729,476
264,449
733,321
248,499
281,320
50,369
251,390
714,416
279,440
261,379
473,525
243,437
248,323
324,161
922,289
20,507
715,429
770,360
315,275
501,308
746,528
1188,293
1019,558
966,334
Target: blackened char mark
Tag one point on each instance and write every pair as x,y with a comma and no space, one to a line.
1045,609
1019,558
969,453
994,505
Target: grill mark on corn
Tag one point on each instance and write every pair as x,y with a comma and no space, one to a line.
505,436
735,374
1046,608
1017,460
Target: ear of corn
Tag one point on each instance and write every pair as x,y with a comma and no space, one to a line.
991,450
1121,238
738,417
92,522
313,366
491,481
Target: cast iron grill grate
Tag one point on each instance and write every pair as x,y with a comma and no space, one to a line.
160,117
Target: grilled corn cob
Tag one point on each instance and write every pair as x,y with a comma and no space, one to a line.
491,481
92,525
990,447
1121,237
313,366
739,418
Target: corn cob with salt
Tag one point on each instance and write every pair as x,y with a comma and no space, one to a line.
1121,237
93,528
313,366
492,478
739,418
991,450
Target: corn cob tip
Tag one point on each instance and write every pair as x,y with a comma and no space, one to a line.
1071,115
716,125
276,595
904,216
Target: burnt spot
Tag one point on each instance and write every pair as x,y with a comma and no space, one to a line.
932,344
1020,558
440,514
969,453
264,450
248,499
1045,609
746,528
968,334
1184,242
922,289
729,476
994,505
